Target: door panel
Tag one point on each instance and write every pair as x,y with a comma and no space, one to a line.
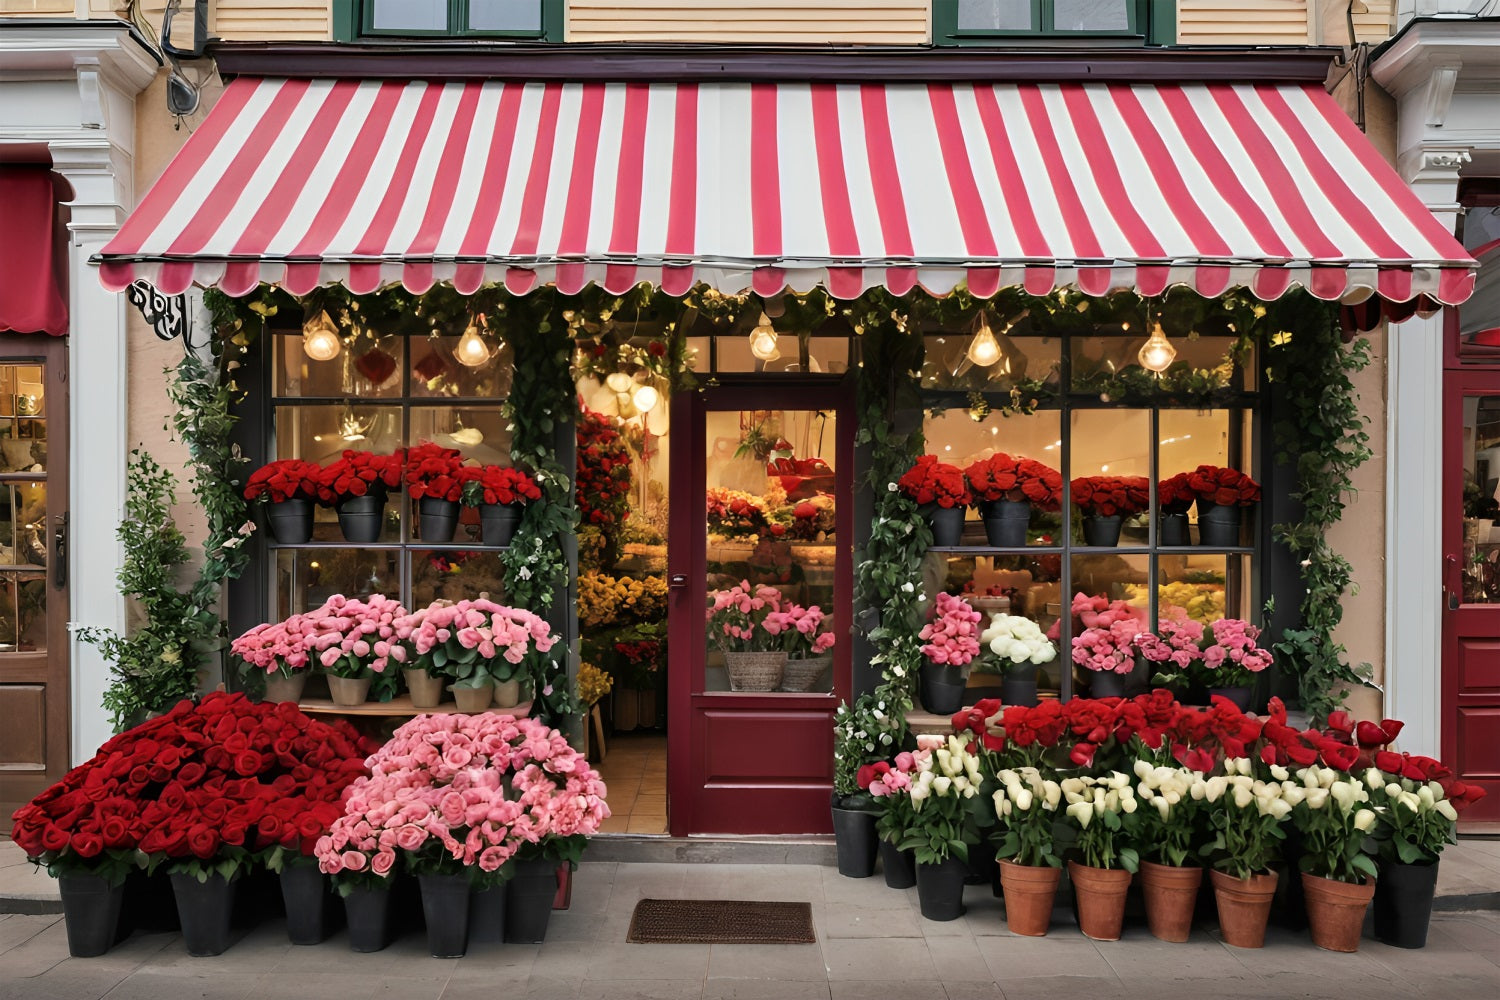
34,689
756,507
1471,626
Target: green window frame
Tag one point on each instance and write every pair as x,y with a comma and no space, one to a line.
355,19
1151,22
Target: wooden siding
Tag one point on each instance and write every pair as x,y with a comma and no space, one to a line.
237,20
1373,26
843,22
1242,22
36,8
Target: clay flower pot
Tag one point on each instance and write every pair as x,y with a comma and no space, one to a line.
1244,907
1336,911
1171,893
1100,895
1029,893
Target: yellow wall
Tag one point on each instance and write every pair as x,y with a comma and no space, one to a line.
1239,22
237,20
843,22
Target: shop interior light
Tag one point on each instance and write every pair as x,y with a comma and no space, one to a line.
989,348
472,351
984,349
320,338
763,340
1157,353
618,382
646,398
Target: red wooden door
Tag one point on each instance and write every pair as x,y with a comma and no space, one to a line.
741,761
1471,584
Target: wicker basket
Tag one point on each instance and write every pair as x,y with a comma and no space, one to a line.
754,671
803,675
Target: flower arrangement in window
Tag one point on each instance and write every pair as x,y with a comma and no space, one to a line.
1108,496
1175,647
1175,495
804,632
1107,648
1211,484
357,474
473,643
1234,655
933,482
951,638
1003,477
734,514
1014,646
811,519
603,471
496,484
282,480
736,618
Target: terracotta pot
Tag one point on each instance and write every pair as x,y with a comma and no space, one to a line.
1029,893
426,690
1244,907
1171,893
1100,895
1336,911
348,692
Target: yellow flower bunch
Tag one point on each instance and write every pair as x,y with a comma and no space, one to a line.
1203,602
593,683
604,600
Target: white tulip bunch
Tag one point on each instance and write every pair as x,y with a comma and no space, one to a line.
1415,797
1101,807
1017,641
949,771
1334,813
1023,789
1246,814
1176,794
1026,803
1416,817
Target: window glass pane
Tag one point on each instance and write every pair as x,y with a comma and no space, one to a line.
955,437
505,15
455,575
1090,15
1107,579
23,419
436,370
320,433
1028,586
364,367
409,15
478,432
23,524
1019,361
1202,371
1111,460
995,15
305,578
1481,444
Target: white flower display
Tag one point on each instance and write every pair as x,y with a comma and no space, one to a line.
1017,640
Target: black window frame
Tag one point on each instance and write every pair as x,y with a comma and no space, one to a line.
353,20
1152,22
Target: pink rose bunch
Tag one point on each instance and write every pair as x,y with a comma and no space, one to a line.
491,629
1177,641
952,637
460,793
1107,647
801,629
1098,611
737,618
276,646
351,636
881,779
1234,654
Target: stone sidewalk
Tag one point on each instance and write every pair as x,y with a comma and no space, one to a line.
872,943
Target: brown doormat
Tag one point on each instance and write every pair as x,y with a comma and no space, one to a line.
720,921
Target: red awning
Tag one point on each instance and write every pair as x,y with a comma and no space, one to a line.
31,297
762,186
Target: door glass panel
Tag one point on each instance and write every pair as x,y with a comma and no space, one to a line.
23,419
769,527
1481,509
23,611
23,524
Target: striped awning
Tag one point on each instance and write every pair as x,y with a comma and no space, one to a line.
764,186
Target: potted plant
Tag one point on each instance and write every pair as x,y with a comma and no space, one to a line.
356,485
1015,646
1245,819
1331,809
888,783
279,651
362,873
353,641
501,494
736,624
1174,650
807,637
479,646
942,493
1103,808
950,642
1232,659
941,825
860,737
1108,652
1221,495
433,479
287,488
1026,804
1171,828
1006,489
1174,498
1105,502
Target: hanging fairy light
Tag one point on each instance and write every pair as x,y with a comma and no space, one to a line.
320,338
984,349
988,348
1156,354
763,340
472,351
645,398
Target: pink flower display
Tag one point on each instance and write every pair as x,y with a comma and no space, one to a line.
491,629
1108,647
1234,654
952,637
344,636
737,618
802,630
276,647
1177,640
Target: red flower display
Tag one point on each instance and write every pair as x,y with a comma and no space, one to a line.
1002,477
284,479
497,484
1225,487
357,474
931,481
433,471
212,779
603,471
1175,496
1106,496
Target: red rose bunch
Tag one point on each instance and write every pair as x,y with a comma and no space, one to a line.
603,478
1106,496
211,781
433,471
732,512
497,484
1225,487
1175,496
357,474
931,481
284,479
1002,477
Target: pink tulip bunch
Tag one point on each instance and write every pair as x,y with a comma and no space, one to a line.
1107,647
952,637
801,630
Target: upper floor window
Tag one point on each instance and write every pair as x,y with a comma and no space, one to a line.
960,22
540,19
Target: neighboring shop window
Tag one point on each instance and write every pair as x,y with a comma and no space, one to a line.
380,394
1479,317
540,19
959,22
1082,405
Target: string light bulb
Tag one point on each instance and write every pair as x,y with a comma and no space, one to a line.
1156,354
320,338
645,399
984,349
763,340
472,351
617,382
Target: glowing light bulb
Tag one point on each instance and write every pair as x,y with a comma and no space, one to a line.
320,338
1157,353
472,351
618,382
646,398
984,349
763,340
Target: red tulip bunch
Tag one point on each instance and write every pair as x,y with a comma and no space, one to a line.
934,482
357,474
434,471
1225,487
1002,477
1106,496
497,484
284,479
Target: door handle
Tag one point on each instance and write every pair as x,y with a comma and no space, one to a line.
677,580
60,552
1452,582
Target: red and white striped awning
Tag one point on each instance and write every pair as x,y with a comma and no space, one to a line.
763,186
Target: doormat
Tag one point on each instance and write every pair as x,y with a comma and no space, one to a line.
720,921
